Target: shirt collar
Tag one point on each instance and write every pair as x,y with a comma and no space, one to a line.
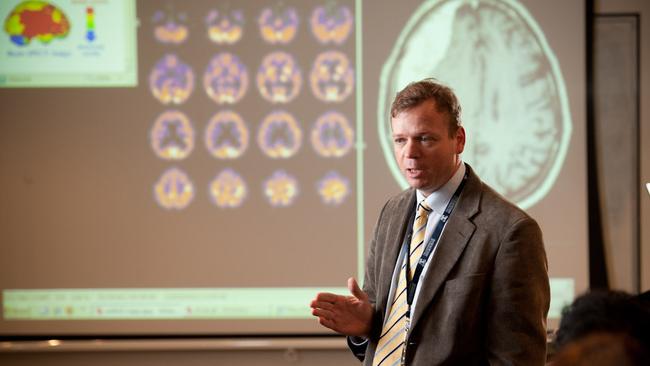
438,200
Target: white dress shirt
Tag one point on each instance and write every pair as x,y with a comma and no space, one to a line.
437,201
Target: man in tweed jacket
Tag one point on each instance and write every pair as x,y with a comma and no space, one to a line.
483,296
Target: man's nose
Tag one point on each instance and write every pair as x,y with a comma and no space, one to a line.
411,149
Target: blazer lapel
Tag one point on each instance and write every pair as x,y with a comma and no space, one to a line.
454,239
396,230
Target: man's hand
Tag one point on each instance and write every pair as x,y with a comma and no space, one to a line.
349,315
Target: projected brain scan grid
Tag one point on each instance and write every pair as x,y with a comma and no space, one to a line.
221,125
282,45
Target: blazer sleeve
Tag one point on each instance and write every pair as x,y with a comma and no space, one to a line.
520,297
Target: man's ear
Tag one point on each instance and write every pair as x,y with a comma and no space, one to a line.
460,140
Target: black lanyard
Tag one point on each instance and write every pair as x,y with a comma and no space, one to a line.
411,285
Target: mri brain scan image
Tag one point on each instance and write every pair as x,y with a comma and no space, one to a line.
278,25
169,27
280,189
279,78
333,188
332,77
226,136
279,135
225,79
228,189
225,27
515,106
172,136
171,81
332,135
174,190
331,23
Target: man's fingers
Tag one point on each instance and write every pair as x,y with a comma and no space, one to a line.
322,305
326,297
355,290
327,323
322,313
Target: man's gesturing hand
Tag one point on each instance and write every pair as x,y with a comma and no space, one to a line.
349,315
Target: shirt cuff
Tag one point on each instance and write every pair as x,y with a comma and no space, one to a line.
358,341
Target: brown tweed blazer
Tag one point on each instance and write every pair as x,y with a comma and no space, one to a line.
485,297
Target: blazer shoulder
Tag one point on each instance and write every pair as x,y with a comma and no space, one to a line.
400,200
495,207
394,211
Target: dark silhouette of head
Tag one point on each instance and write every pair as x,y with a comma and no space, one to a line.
604,322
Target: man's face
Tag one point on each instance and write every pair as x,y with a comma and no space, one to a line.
425,153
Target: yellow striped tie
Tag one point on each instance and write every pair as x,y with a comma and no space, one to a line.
393,333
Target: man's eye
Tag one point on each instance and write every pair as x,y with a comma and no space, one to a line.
399,141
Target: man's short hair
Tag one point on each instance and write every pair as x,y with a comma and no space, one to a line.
418,92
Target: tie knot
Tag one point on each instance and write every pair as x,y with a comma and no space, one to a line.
423,208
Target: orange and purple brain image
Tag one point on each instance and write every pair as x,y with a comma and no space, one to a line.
226,136
170,28
333,188
332,77
225,79
281,189
174,190
331,24
36,19
228,189
278,25
279,78
172,136
332,135
225,27
171,80
280,135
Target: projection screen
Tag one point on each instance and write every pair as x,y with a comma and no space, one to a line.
206,167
